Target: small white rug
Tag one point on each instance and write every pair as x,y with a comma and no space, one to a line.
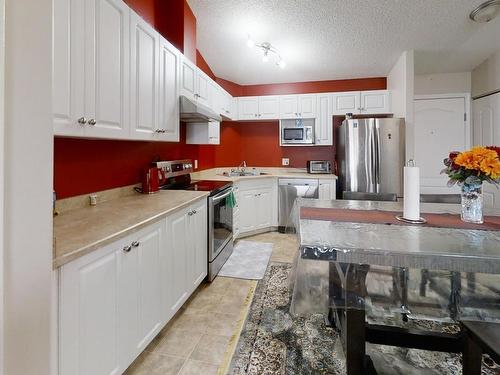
248,261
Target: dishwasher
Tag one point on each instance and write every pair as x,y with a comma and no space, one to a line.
290,189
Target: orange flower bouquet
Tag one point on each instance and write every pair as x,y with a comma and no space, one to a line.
469,169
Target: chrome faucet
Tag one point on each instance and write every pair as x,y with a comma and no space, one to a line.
241,168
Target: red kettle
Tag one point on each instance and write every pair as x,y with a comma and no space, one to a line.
152,178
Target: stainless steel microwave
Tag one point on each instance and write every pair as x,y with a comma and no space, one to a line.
297,132
319,166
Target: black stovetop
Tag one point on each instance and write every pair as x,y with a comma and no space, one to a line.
185,183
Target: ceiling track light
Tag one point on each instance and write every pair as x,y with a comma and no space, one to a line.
268,50
486,11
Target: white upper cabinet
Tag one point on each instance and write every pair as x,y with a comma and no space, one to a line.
346,102
289,105
307,106
248,108
188,78
258,108
168,105
362,102
68,68
145,47
298,106
203,133
91,68
202,84
375,101
269,107
324,120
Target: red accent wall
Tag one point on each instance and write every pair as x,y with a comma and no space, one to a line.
202,64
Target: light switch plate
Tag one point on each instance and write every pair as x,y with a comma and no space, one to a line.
285,161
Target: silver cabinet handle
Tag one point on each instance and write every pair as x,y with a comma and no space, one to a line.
92,122
82,120
127,249
255,115
135,244
190,213
195,212
158,131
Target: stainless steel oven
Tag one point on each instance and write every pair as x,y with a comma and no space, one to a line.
220,231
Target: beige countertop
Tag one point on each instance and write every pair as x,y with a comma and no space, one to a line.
217,174
80,231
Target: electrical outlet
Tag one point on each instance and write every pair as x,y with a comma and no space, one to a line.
195,164
285,161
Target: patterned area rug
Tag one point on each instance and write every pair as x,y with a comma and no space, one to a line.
274,342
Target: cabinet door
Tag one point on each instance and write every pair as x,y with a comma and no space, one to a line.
289,106
327,189
248,210
88,308
324,120
144,78
269,107
168,98
373,102
68,67
264,204
248,108
147,244
199,246
202,92
214,97
175,265
188,79
107,68
346,102
307,106
214,133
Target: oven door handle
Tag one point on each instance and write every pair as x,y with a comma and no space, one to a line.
217,198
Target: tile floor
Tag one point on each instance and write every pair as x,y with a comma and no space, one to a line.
202,336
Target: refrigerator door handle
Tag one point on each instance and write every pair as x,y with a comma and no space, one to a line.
370,161
376,140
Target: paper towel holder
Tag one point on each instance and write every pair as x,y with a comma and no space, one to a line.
411,163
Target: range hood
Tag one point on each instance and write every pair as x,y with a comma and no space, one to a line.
192,111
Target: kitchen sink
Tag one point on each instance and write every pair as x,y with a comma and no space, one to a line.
243,174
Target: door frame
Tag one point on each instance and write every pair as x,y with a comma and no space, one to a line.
2,179
468,122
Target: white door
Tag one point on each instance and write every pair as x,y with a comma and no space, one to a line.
88,306
148,246
198,230
107,58
168,98
248,108
440,127
324,120
144,78
346,102
487,133
269,107
175,266
289,106
373,102
188,79
307,106
69,68
202,85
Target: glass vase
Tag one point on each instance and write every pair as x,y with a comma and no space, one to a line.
472,204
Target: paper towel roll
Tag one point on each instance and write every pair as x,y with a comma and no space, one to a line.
411,200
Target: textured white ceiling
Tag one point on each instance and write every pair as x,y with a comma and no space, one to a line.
335,39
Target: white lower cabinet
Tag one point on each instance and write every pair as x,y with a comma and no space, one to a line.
113,301
327,189
257,205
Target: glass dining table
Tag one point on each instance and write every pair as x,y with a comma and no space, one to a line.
375,280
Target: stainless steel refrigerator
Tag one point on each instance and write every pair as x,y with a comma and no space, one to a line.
370,154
